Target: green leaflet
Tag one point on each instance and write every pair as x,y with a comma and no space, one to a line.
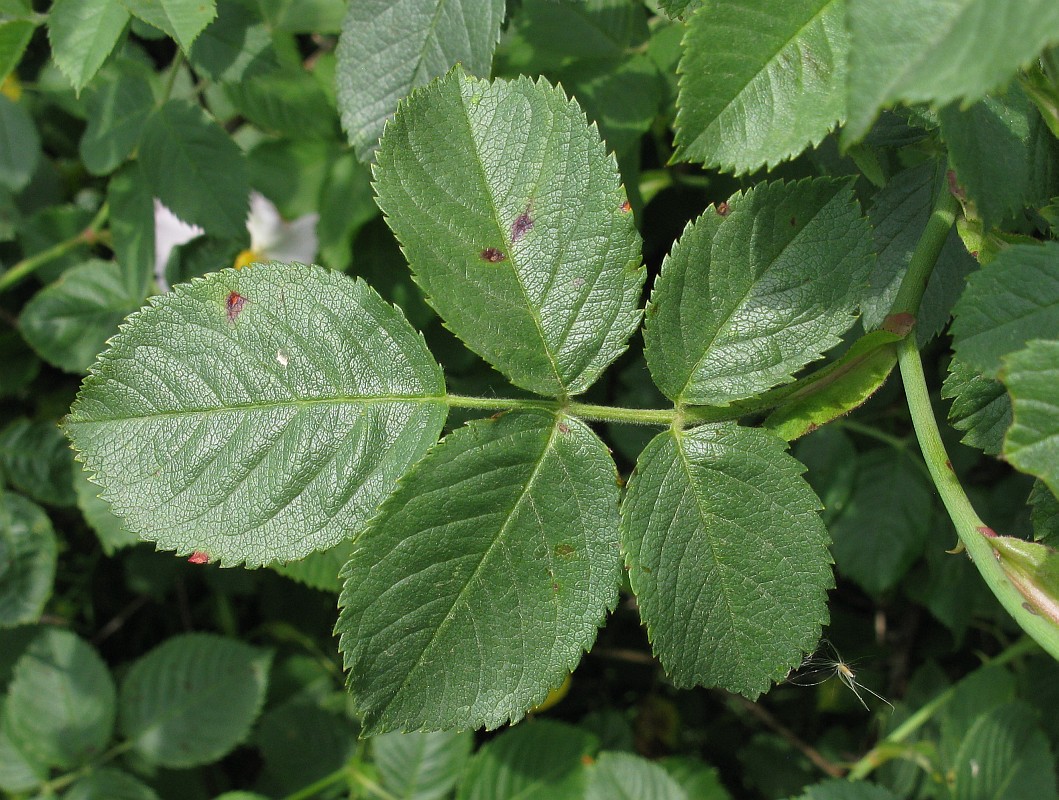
755,289
18,773
540,760
938,51
117,112
82,35
182,20
27,560
377,67
19,146
727,556
1044,514
511,215
1032,379
1011,300
112,784
842,789
60,703
760,81
980,407
192,699
628,775
301,743
1003,153
195,169
1033,568
36,460
68,322
257,415
484,577
421,766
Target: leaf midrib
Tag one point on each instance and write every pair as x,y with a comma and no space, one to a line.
295,403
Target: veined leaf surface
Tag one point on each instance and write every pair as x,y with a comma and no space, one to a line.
755,289
511,215
727,556
760,81
257,415
484,578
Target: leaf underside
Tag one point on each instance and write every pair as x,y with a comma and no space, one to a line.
484,578
727,556
257,415
514,222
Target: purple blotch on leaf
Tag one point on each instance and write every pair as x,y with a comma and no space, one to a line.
520,227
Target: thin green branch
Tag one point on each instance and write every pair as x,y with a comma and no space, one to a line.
925,256
27,266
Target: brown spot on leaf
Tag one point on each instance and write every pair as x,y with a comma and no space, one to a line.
199,557
793,222
521,226
233,305
555,587
564,550
722,209
1031,609
985,530
899,324
492,255
626,207
646,569
564,428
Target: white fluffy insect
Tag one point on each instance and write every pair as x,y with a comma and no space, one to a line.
827,663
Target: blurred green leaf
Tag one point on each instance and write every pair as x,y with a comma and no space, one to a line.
300,744
112,533
27,560
36,460
627,775
538,760
19,145
17,772
698,780
1032,379
290,103
1045,514
117,111
421,766
182,20
82,35
192,699
109,784
15,34
60,704
840,789
236,46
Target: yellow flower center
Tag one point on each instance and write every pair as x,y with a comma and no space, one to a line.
11,88
246,258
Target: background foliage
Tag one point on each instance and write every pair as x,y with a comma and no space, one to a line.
799,195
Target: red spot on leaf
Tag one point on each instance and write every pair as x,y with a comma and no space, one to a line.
521,226
626,207
723,209
587,760
199,557
234,305
492,255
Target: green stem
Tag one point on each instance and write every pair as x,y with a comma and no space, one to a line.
876,756
973,533
314,788
926,254
596,413
27,266
61,782
174,68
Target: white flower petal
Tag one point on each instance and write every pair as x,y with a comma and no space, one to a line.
297,241
263,222
169,231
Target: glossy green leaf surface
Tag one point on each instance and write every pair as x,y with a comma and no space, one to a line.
82,35
1014,299
884,527
511,216
387,49
27,560
755,289
257,415
484,577
539,760
192,699
981,407
68,322
195,169
60,703
760,81
727,556
627,775
938,51
1032,379
421,766
182,20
